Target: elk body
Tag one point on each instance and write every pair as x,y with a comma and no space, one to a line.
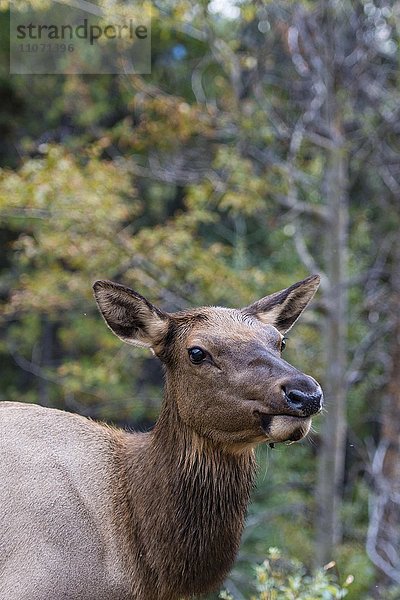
88,512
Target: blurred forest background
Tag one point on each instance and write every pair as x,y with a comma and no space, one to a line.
263,147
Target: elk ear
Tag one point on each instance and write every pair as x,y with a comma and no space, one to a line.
283,308
130,316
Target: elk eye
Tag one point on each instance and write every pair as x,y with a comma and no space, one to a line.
196,355
283,344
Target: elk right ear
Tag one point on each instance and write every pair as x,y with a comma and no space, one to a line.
129,315
283,308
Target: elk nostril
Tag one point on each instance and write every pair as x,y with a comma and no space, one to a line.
296,397
308,404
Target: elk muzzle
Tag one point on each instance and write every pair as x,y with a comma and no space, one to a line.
289,419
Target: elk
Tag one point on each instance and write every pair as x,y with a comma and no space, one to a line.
92,512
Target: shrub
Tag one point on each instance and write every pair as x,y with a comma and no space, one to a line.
281,578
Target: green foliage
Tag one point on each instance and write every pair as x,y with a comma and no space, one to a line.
352,559
280,578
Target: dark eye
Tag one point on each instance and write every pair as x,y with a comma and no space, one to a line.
283,344
196,355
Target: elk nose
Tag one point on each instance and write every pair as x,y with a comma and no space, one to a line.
306,403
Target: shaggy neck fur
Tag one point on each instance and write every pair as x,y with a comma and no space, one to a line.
186,505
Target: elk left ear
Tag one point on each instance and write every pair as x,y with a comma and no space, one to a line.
283,308
130,316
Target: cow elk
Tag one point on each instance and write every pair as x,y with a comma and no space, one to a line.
90,512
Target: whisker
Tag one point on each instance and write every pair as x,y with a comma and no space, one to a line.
312,441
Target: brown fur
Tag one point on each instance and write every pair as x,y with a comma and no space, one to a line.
182,503
96,513
185,490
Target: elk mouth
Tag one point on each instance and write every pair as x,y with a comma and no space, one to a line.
299,425
265,421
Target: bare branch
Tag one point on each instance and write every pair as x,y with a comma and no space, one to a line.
379,548
300,207
308,260
354,369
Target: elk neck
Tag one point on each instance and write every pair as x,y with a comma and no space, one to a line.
190,500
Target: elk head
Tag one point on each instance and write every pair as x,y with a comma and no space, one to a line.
224,368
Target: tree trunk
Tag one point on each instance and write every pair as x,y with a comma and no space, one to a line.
332,451
330,473
383,540
45,360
